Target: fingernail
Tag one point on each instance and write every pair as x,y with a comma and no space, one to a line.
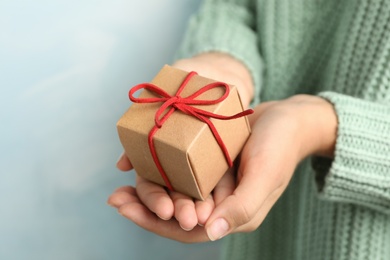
201,225
185,229
218,229
120,157
162,217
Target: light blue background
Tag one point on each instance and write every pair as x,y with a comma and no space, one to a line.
65,69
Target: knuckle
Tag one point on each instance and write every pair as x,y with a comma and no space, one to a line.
243,213
278,180
251,227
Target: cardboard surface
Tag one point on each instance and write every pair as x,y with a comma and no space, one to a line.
186,147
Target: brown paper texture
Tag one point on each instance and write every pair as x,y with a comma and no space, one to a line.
186,147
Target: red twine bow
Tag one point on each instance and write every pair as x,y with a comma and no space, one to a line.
185,105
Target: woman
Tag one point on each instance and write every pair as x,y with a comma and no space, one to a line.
313,180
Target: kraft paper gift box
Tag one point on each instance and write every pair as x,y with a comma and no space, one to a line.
185,147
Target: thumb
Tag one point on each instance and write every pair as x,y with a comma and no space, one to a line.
231,214
259,183
241,211
124,163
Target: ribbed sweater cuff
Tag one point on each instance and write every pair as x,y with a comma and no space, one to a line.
225,27
360,171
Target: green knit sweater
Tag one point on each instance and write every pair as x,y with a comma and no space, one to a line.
339,50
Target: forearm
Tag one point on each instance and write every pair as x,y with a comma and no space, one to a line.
221,67
359,173
227,28
354,134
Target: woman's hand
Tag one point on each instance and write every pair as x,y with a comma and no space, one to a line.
283,133
168,214
221,67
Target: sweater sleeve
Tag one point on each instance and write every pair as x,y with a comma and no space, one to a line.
360,170
226,26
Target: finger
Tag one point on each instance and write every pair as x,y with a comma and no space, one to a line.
125,189
171,229
261,213
204,209
155,198
124,163
225,186
122,196
185,212
253,188
223,189
241,208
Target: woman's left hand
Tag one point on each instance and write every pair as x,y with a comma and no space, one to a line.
283,133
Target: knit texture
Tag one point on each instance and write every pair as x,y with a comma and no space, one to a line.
339,50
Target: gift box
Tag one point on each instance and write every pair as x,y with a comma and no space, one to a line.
183,130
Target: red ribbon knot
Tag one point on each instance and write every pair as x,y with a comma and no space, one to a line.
185,105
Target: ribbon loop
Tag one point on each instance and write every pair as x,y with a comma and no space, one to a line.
185,105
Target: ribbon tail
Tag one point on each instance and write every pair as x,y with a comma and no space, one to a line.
221,117
217,138
152,149
214,130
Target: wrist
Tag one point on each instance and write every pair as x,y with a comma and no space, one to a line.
319,125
